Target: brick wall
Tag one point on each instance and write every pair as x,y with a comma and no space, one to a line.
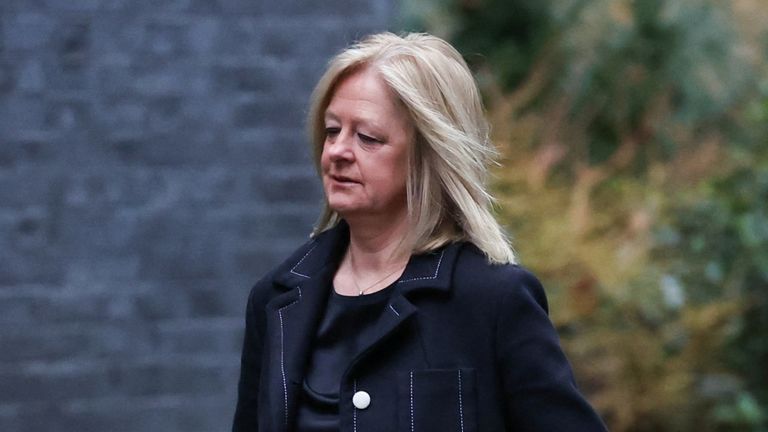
152,166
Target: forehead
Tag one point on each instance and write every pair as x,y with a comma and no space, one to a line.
365,94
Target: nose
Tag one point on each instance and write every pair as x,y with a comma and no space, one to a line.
339,148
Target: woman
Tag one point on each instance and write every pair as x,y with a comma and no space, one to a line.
405,311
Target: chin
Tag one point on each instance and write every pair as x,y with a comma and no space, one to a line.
341,206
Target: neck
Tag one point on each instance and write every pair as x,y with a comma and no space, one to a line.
376,245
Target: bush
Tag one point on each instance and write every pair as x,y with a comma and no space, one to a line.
635,182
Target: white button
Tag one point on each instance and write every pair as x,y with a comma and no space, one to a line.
361,400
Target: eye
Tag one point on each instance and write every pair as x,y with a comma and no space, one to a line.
332,131
368,139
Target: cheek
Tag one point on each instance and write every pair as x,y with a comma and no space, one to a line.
394,174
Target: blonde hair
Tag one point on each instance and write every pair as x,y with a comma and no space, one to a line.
448,165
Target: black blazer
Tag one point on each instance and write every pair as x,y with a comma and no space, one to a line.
464,346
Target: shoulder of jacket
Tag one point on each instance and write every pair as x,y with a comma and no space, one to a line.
262,289
496,282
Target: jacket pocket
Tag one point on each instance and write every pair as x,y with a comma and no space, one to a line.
437,400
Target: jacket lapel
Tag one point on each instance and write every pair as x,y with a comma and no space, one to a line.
429,272
293,315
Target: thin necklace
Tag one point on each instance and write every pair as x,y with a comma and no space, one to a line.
361,291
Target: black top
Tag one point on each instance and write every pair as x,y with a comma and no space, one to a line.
344,329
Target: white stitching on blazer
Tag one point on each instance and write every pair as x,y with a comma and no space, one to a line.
293,270
354,407
282,367
461,405
412,425
282,355
434,276
393,310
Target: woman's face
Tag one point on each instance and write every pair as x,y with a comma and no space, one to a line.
365,155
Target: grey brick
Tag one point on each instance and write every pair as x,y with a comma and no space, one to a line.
53,384
21,114
269,113
7,76
202,32
83,307
249,259
256,7
63,114
241,36
75,6
143,377
26,150
294,8
75,343
180,148
68,74
72,42
186,258
254,78
258,228
119,36
30,416
173,376
201,336
302,185
166,39
165,114
182,413
161,79
117,114
29,77
40,266
268,147
91,231
26,230
27,31
153,166
98,270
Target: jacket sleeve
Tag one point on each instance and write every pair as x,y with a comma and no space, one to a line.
541,394
246,412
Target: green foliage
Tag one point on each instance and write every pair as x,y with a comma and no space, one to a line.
635,181
511,37
743,413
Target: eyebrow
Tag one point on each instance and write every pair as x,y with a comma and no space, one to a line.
329,115
366,122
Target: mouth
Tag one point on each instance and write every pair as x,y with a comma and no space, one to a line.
342,179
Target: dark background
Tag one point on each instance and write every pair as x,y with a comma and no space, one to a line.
153,165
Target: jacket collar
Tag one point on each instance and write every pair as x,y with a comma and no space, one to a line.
428,271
